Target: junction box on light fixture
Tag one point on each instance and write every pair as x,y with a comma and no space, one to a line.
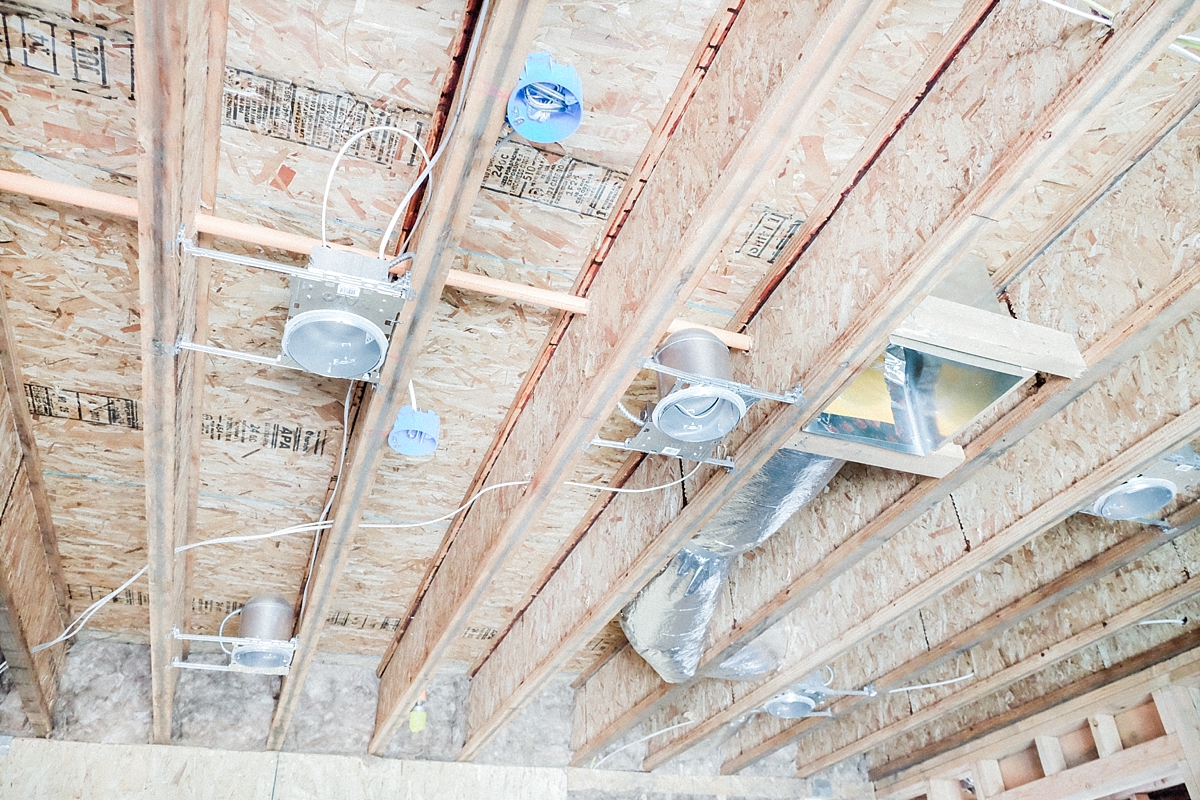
338,329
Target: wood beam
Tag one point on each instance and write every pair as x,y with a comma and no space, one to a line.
1093,780
1120,687
210,155
220,228
601,716
984,686
988,781
1105,734
565,615
944,789
685,91
1050,755
172,45
32,596
684,216
1179,709
508,29
1109,177
1128,551
1130,337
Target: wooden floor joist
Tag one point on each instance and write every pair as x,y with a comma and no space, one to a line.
1124,685
592,583
715,694
997,682
172,44
1128,339
1106,563
684,216
1133,335
611,703
509,28
534,652
32,594
684,94
1179,709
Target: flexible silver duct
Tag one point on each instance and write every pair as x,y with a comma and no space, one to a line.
667,621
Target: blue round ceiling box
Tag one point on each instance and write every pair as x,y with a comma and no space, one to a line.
415,432
547,105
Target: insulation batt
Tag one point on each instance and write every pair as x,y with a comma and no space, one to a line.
667,622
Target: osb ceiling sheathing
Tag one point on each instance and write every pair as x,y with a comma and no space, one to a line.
271,438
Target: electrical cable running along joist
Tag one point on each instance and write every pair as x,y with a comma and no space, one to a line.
323,524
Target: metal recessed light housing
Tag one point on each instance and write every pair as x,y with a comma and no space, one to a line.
1151,491
342,312
699,403
264,644
1136,498
701,411
801,699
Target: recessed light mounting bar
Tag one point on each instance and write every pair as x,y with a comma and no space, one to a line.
285,649
651,440
398,288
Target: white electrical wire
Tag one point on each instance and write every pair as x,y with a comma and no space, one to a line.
959,679
312,559
338,158
1107,20
76,626
596,765
221,630
1078,13
464,81
603,488
1180,621
1183,51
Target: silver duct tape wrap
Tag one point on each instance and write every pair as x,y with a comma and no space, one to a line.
667,621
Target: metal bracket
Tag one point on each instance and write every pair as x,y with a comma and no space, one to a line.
401,287
283,648
1154,523
748,393
651,440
